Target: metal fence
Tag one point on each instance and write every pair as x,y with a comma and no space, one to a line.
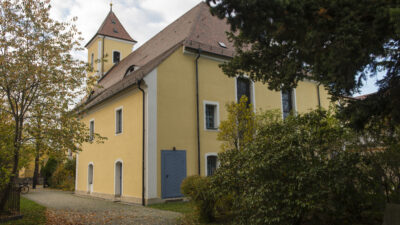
13,201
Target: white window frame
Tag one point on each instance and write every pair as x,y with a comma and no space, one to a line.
120,56
294,102
122,175
91,135
205,102
205,161
252,91
122,120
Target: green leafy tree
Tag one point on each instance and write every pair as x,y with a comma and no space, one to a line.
336,43
37,69
238,130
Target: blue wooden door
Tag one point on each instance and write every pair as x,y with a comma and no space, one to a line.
173,171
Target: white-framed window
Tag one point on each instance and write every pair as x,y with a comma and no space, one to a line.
91,129
211,163
118,120
211,115
288,102
116,56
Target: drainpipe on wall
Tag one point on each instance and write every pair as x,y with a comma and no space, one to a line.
143,140
319,97
197,109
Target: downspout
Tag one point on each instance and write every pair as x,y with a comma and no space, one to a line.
143,140
197,109
319,97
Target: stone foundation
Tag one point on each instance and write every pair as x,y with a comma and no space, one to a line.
126,199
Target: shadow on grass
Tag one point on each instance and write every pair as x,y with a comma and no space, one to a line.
33,214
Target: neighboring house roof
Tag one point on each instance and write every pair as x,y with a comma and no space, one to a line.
362,97
196,29
112,27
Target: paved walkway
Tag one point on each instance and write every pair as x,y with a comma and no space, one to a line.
67,208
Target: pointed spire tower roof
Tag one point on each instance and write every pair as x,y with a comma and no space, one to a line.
112,27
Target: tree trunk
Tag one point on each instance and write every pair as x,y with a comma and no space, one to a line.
36,171
37,155
14,174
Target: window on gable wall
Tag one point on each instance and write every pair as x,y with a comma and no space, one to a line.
211,164
243,87
92,60
287,102
91,130
116,57
118,121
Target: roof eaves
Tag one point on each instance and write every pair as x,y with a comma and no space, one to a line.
210,49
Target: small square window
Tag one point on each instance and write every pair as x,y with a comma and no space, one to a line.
211,111
91,130
116,57
118,121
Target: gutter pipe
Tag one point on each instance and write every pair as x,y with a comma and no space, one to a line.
319,97
197,109
143,140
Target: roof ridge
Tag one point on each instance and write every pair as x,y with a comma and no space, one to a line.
196,21
180,17
158,33
112,27
104,22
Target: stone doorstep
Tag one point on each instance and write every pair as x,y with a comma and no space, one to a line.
180,199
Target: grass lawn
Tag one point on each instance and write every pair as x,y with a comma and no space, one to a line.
181,207
33,213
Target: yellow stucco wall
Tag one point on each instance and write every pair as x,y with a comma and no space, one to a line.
126,146
176,99
114,45
93,49
176,121
110,45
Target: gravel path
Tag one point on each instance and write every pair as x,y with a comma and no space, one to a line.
67,208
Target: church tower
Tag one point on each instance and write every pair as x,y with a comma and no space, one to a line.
111,43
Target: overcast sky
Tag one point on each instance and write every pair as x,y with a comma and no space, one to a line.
141,18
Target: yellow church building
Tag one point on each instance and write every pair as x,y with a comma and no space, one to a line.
160,106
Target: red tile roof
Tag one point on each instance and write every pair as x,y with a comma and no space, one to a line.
196,29
112,27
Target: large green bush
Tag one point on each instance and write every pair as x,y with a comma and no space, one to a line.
198,190
306,169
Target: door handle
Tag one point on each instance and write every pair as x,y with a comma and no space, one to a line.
166,176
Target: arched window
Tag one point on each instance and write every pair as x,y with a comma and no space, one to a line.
90,178
118,178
